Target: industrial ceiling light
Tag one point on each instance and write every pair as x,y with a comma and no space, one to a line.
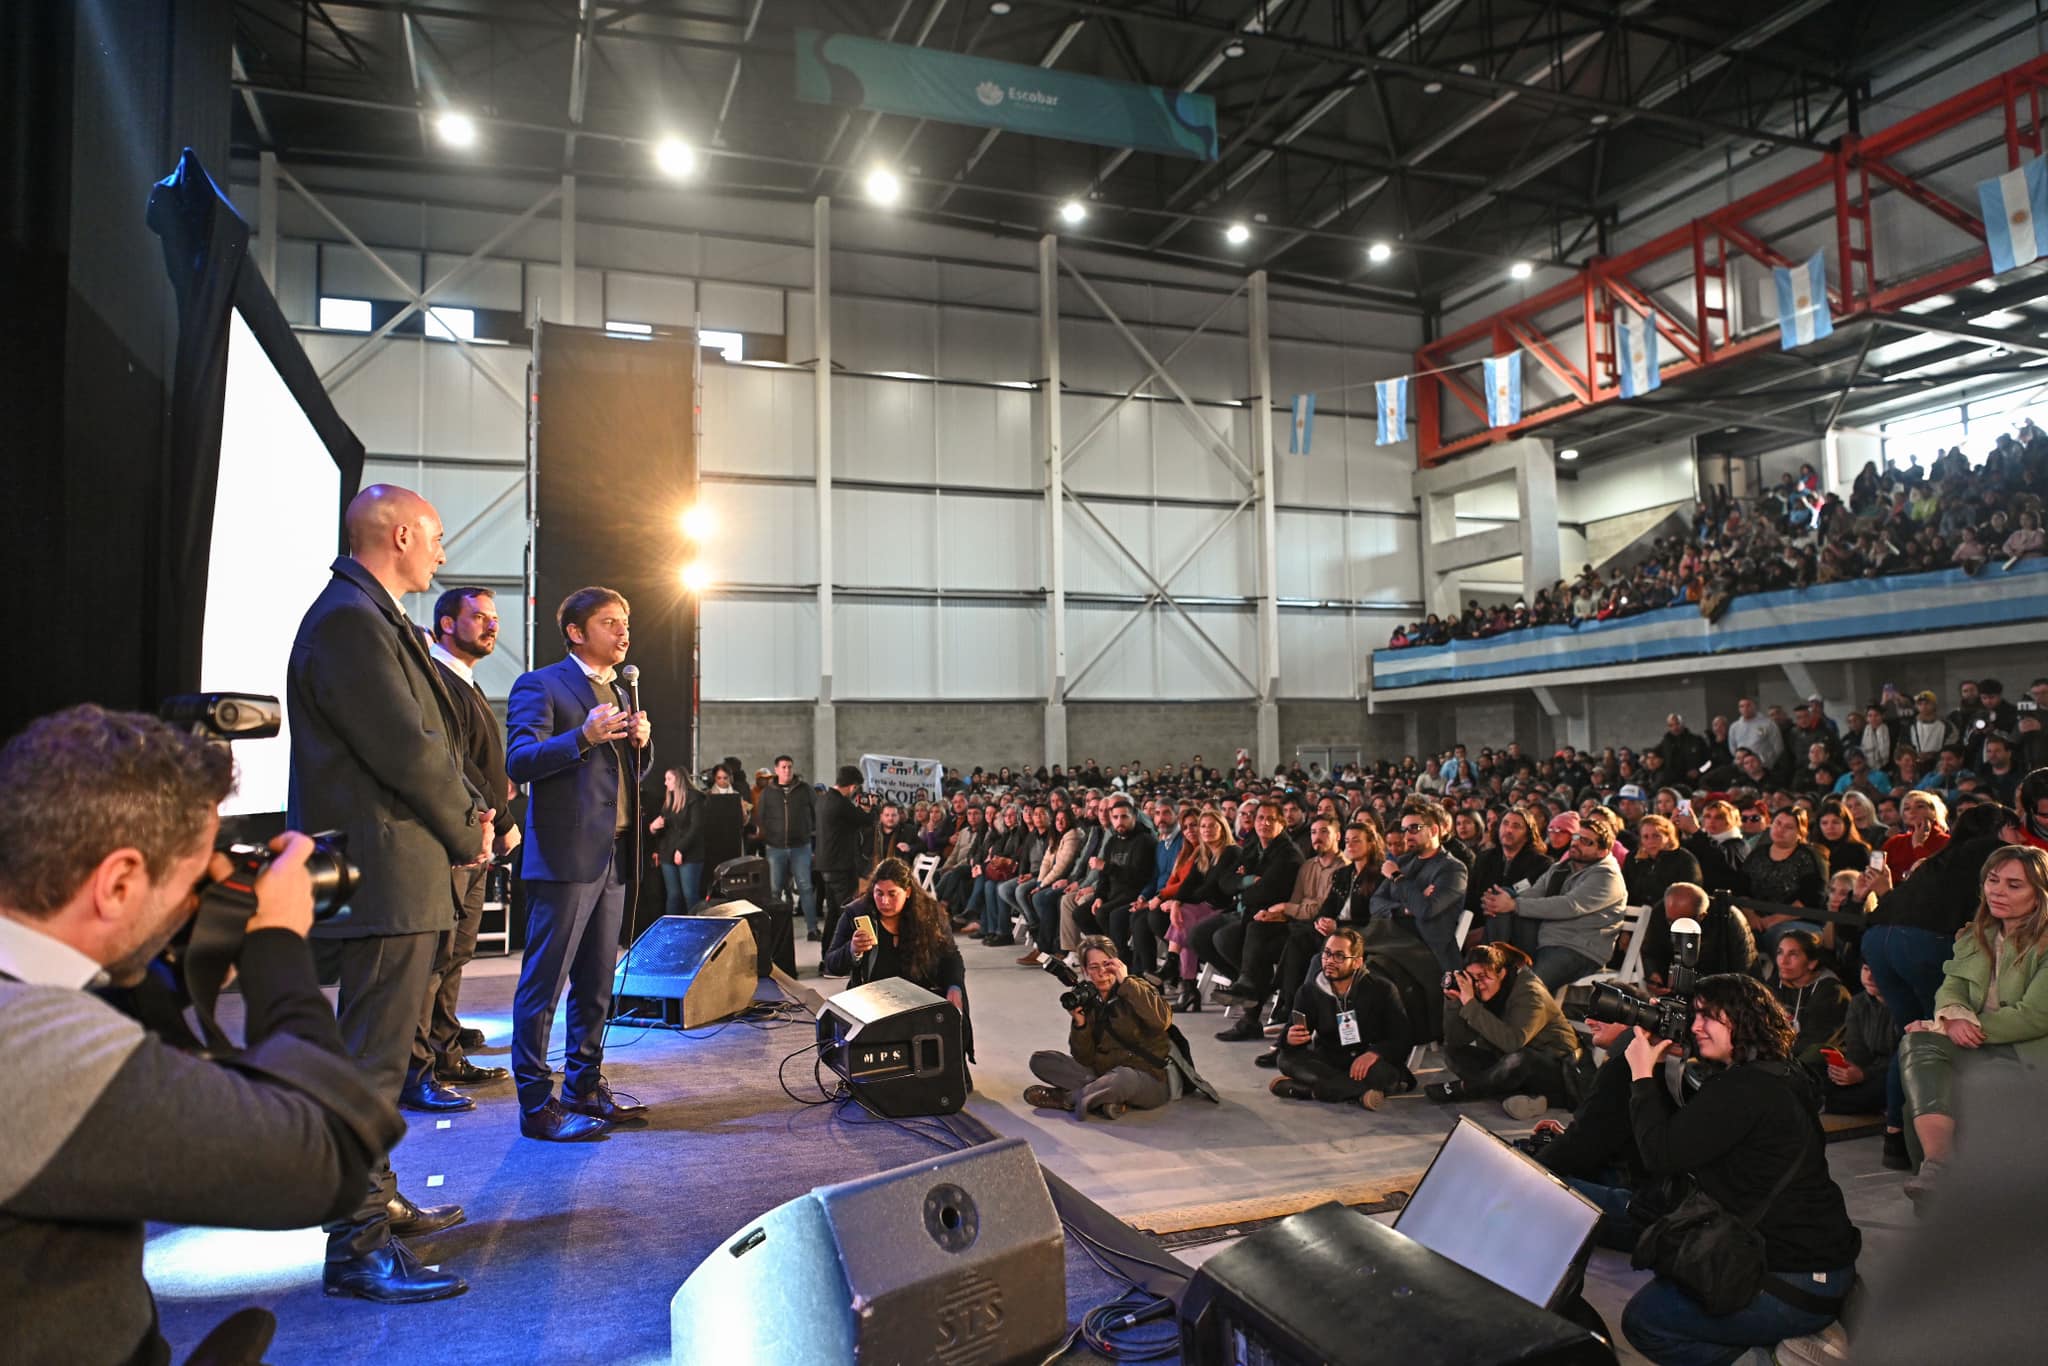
1433,88
1233,49
1521,270
999,8
1073,211
1237,234
883,186
1597,120
1378,252
675,157
1568,453
456,129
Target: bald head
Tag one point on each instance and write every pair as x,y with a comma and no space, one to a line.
396,535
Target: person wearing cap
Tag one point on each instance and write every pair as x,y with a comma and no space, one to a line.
840,823
1929,730
1630,803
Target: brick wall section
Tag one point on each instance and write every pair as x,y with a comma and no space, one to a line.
752,732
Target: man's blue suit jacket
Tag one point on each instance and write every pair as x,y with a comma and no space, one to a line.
573,801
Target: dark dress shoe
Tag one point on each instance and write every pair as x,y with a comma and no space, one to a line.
428,1096
1445,1092
600,1103
470,1038
467,1073
813,937
553,1124
1269,1058
1189,1001
1243,1031
417,1221
390,1275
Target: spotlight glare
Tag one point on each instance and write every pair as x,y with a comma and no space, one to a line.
1521,270
1073,211
1568,453
697,522
1237,234
1378,252
883,186
675,157
456,129
696,576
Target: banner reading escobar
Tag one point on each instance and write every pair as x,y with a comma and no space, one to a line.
901,780
894,78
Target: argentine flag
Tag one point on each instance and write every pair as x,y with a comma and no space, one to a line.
1803,302
1504,389
1393,405
1637,343
2014,206
1304,425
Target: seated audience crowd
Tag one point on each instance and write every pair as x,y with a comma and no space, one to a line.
1903,520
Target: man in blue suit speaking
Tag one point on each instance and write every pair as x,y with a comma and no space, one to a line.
573,739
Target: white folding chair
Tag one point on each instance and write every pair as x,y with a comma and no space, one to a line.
1634,921
922,868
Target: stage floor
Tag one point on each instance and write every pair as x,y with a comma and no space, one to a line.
573,1251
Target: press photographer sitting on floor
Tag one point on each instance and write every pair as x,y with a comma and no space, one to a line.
1348,1039
1118,1051
107,826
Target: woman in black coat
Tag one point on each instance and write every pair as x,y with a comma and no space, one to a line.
898,930
1659,861
678,831
724,820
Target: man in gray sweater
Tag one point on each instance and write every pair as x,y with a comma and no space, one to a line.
1568,920
107,826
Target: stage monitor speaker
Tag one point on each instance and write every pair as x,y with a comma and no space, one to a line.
700,969
1334,1285
774,933
740,879
956,1260
897,1046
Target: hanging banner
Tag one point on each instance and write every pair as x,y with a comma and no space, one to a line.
1803,302
1637,343
1503,389
1393,404
899,779
1304,424
2013,206
894,78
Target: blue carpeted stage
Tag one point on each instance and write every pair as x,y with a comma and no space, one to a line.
571,1251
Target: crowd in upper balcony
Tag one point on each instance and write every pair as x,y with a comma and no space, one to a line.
1900,520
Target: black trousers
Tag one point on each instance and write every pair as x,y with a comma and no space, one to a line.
1219,941
1300,957
1148,932
1601,1138
572,941
1524,1072
383,980
1329,1075
434,1044
834,891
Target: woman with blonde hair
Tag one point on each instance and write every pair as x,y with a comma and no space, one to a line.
1991,1008
1197,894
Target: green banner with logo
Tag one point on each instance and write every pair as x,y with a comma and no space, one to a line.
835,68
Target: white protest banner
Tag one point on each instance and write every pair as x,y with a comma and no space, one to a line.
900,779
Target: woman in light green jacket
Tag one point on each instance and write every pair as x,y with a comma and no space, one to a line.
1992,1005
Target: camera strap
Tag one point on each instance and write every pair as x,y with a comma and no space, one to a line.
209,955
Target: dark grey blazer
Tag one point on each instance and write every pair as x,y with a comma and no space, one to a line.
374,754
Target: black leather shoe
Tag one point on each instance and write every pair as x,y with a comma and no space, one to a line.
1244,1030
553,1124
428,1096
600,1103
1269,1058
1190,1001
390,1275
417,1221
467,1073
470,1038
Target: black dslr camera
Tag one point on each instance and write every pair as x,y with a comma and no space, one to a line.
1668,1018
1080,993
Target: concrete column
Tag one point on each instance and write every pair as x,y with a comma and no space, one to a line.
1536,495
567,299
824,723
266,217
1259,409
1054,453
1439,526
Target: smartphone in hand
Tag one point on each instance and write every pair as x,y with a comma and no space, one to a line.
1833,1057
1298,1020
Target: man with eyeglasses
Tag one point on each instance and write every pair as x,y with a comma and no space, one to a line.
1348,1040
1412,926
1567,921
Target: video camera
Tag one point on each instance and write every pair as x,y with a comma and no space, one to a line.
1667,1018
1080,993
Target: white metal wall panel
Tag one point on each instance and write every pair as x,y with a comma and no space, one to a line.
381,400
883,429
886,649
1119,458
1186,465
482,284
970,284
1094,356
759,648
1385,559
634,298
1226,567
978,343
742,308
544,295
757,421
985,437
899,277
295,287
766,263
1378,477
1310,549
1317,655
1319,477
879,335
766,533
1130,667
1189,668
991,649
991,543
884,539
1096,566
346,273
483,515
464,413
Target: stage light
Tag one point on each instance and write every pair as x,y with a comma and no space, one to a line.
1378,252
1073,211
698,522
1568,453
456,129
696,576
1521,270
883,186
1237,234
675,157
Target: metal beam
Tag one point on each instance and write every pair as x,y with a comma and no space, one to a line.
732,84
1260,413
1153,371
1055,459
1989,336
824,725
988,139
256,119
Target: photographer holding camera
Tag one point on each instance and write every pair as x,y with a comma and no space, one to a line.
1117,1050
107,829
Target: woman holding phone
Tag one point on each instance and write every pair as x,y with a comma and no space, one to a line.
897,930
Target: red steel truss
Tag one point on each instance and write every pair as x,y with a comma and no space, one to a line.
1708,244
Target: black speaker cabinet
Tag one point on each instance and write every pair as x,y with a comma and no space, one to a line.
774,933
897,1046
740,879
699,969
956,1260
1269,1299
